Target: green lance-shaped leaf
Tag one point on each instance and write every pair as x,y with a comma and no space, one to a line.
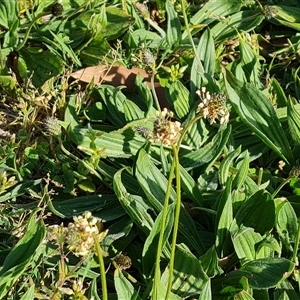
224,219
293,121
180,97
38,65
207,54
259,274
265,273
20,257
250,63
257,112
76,206
242,172
8,13
243,295
188,276
124,142
209,153
19,189
174,25
242,21
154,185
124,288
246,242
207,14
190,187
203,73
253,212
120,109
285,290
151,243
134,205
226,164
228,285
210,262
206,293
286,222
288,16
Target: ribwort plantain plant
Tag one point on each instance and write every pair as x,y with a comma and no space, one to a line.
183,186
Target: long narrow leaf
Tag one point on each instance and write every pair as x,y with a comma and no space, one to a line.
174,25
134,205
209,153
293,121
257,112
211,9
154,185
124,288
18,260
150,245
253,212
188,277
202,71
224,218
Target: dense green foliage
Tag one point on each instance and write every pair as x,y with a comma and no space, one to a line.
106,195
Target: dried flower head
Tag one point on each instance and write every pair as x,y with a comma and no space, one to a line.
7,135
143,10
78,289
166,131
148,58
122,261
52,126
270,12
212,106
295,172
143,131
56,234
81,234
57,9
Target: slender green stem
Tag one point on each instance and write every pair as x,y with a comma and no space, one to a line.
186,128
175,164
29,29
19,176
176,221
186,23
68,153
287,180
102,268
154,92
124,7
161,234
260,175
296,245
152,82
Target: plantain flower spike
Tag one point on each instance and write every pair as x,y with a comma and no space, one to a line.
212,106
166,131
295,172
143,10
52,126
81,234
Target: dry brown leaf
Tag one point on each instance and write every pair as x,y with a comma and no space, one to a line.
116,76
